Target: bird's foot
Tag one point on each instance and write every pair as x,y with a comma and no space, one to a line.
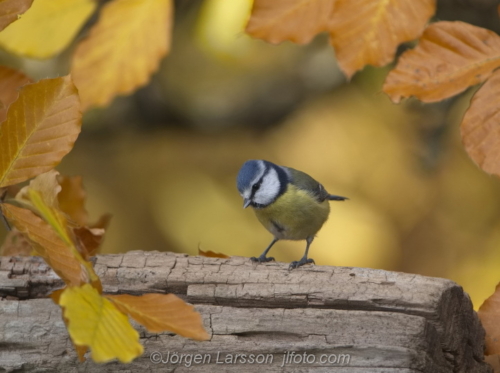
262,259
301,262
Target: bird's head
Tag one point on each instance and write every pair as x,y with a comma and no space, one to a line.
261,182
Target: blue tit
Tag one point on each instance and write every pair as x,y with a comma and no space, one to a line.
289,203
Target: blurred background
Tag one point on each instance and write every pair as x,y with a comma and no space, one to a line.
164,160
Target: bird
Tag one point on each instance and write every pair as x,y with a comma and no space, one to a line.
289,203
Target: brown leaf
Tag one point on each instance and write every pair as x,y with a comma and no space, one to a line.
11,9
162,312
449,57
489,313
10,82
480,128
47,244
40,129
122,50
295,20
16,244
72,199
89,240
368,32
211,254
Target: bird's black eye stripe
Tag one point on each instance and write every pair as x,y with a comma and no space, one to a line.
255,187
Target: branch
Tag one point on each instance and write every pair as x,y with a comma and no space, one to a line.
364,320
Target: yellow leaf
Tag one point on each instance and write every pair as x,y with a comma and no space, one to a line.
449,57
11,9
10,82
94,321
80,350
47,28
367,32
489,313
480,128
295,20
211,254
57,221
47,244
162,312
122,50
48,187
40,129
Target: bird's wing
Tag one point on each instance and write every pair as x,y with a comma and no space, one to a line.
305,182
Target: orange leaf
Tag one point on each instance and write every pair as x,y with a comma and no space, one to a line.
10,82
295,20
40,129
122,50
367,32
489,313
47,244
11,9
72,198
162,312
211,254
480,128
449,57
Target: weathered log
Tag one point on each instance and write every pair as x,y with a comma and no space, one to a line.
261,318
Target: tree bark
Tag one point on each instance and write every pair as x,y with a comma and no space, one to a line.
261,317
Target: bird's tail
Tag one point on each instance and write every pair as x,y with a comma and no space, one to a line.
332,197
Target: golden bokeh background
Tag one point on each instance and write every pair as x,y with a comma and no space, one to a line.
164,160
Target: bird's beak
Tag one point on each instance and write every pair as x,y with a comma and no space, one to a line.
246,202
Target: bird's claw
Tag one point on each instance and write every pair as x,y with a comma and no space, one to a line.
262,259
300,263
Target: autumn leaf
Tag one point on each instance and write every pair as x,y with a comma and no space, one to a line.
40,129
94,321
80,350
449,57
368,32
480,128
211,254
47,185
72,198
10,82
489,313
296,20
47,28
59,224
11,9
162,312
122,50
91,237
46,243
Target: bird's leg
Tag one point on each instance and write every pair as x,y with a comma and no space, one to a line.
263,258
304,259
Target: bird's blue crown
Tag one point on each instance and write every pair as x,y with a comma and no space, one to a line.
247,174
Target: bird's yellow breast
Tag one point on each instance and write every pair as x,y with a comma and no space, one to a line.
295,215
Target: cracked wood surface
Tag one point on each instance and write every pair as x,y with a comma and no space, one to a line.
363,320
